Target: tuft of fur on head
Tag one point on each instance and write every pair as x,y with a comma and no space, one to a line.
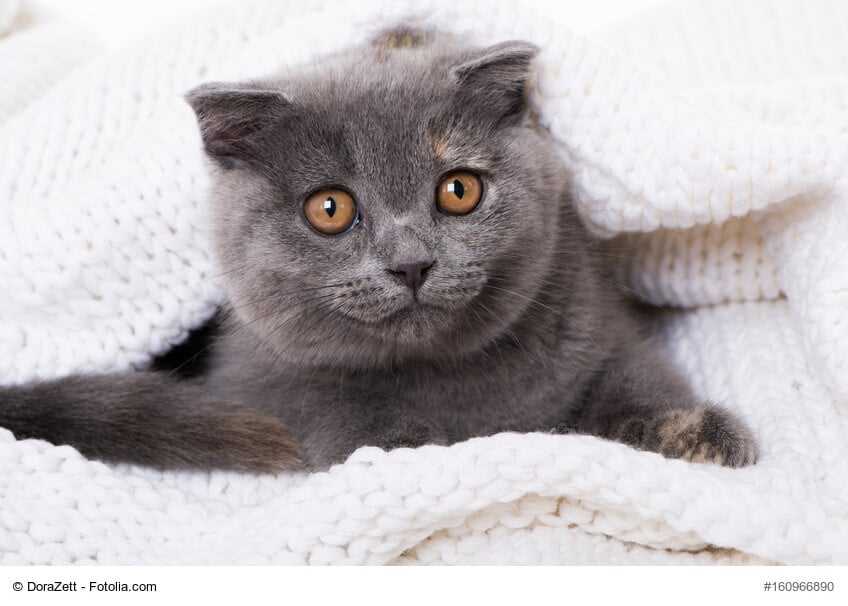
386,122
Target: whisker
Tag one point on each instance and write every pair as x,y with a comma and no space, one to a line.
525,297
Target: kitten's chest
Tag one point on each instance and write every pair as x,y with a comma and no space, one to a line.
513,392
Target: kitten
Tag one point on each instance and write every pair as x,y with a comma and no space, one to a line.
403,267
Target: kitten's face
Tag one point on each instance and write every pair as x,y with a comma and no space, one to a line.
370,146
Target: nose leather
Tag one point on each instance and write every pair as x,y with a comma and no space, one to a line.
412,274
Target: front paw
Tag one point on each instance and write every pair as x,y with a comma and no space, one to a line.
704,434
707,434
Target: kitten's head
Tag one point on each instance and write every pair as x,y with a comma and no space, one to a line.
393,203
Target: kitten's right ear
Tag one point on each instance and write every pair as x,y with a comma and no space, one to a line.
231,115
494,80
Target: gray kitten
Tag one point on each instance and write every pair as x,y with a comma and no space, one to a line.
403,267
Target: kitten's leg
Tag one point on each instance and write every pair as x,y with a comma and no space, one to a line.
148,419
642,401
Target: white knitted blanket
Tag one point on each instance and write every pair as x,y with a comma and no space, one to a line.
714,133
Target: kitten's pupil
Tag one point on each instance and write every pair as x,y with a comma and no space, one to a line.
457,188
330,206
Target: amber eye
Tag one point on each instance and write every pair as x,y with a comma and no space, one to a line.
330,211
459,193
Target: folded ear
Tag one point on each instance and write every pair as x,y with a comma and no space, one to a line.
231,116
495,78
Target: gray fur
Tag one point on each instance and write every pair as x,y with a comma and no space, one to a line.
518,325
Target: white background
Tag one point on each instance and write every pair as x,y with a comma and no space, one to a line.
116,22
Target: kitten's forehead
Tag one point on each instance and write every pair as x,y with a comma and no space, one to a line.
387,120
399,81
391,119
399,101
406,91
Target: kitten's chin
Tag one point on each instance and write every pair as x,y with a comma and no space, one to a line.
414,312
414,331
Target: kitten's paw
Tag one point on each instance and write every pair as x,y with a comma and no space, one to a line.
705,434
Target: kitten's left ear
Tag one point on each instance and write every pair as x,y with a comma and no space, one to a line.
496,77
231,115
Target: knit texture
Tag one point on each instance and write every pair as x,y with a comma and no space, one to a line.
711,139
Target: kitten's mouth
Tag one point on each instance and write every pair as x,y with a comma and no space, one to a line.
413,320
401,317
411,312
